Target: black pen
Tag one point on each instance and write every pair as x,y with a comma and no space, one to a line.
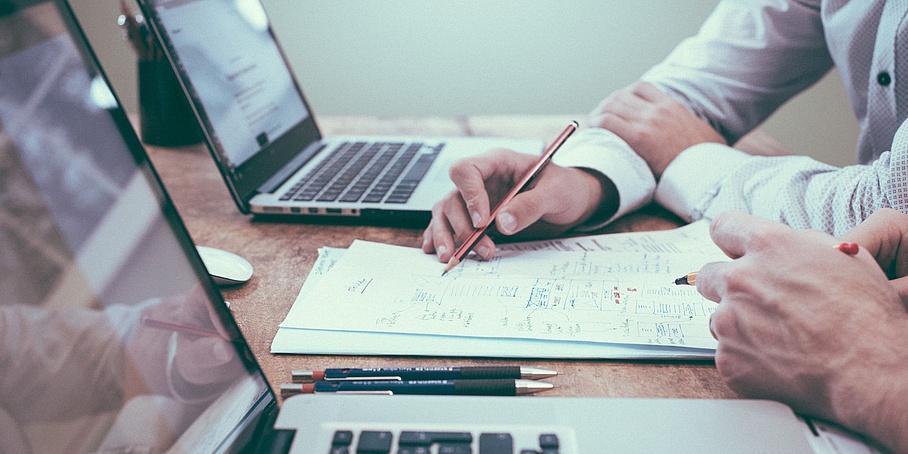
503,387
423,373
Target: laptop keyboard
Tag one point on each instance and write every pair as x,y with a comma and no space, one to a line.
442,442
366,172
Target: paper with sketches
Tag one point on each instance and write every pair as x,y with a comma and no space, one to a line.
619,291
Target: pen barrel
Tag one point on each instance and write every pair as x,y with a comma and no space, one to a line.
502,387
480,372
498,387
425,373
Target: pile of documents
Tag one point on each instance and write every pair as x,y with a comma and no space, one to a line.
604,296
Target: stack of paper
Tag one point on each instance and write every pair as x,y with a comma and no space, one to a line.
603,296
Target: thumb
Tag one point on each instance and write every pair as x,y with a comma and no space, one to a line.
205,360
523,211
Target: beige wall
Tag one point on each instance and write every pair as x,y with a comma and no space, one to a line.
449,57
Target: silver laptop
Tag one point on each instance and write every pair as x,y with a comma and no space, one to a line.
115,339
264,137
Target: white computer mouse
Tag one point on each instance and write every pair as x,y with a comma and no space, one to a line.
226,268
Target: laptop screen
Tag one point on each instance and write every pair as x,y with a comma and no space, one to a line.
235,70
113,336
251,110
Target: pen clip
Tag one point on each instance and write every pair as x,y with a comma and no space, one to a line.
381,378
386,392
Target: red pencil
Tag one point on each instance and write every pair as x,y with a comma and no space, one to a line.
524,182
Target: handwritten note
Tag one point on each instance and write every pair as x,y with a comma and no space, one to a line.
617,291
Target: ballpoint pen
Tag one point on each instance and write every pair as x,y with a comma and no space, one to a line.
500,387
521,185
423,373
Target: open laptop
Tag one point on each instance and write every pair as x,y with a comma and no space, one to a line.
115,339
263,135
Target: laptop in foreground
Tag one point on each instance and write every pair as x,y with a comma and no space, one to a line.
115,339
262,133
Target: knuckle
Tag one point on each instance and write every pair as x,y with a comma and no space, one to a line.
738,280
764,239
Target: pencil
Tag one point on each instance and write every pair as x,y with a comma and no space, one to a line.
687,279
846,248
523,184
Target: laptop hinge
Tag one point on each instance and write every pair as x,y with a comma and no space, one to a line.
270,185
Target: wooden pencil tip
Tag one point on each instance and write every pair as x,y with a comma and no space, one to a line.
450,266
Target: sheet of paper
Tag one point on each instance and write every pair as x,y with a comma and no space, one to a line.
323,342
691,238
602,296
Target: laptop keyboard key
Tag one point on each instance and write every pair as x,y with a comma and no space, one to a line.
342,437
374,442
414,450
428,438
340,444
548,441
454,448
496,443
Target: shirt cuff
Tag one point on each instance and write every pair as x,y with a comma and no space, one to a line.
602,151
691,181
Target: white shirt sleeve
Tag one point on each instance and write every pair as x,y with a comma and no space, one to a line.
602,151
707,179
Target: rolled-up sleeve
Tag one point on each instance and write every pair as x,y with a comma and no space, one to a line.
796,190
604,152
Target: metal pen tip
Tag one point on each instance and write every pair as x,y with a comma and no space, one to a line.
536,373
531,386
306,376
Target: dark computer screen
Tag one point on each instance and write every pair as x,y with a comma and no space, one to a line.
113,338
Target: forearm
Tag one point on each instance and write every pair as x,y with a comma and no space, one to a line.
39,364
724,74
795,190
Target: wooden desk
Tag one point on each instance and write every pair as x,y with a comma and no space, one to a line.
283,253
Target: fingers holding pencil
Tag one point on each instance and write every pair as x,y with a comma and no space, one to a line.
507,222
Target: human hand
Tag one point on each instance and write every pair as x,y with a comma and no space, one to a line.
193,363
655,125
885,236
800,322
560,198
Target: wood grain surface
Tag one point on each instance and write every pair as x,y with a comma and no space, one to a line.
283,253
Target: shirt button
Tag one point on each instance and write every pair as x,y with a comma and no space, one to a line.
883,78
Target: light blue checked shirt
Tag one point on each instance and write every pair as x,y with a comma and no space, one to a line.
749,58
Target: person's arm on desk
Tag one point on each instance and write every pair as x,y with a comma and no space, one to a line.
800,322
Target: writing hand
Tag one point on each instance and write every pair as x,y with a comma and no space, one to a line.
559,199
655,125
800,322
193,366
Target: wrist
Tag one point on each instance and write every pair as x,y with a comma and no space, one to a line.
872,395
601,195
